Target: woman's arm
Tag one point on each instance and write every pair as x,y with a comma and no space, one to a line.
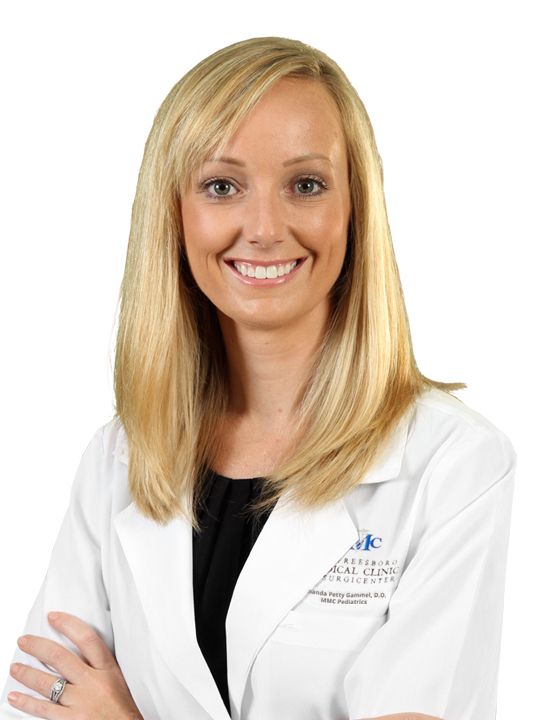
73,582
96,687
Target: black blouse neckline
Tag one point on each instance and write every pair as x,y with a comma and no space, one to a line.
228,479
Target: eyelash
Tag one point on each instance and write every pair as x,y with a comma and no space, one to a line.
207,183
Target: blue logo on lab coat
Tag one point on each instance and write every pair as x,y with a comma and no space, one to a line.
367,541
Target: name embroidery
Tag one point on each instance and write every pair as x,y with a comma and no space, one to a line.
355,569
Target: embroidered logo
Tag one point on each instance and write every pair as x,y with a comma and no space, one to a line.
358,582
367,541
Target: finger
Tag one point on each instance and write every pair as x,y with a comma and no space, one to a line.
38,680
93,647
38,708
56,656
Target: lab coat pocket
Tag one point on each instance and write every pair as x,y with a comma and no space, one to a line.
327,630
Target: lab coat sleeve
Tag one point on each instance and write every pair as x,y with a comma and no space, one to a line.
438,652
73,582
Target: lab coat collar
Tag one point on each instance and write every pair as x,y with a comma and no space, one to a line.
293,551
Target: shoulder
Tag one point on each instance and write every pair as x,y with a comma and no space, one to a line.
108,444
114,440
457,453
100,484
442,419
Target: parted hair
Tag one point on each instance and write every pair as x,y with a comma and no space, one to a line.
170,370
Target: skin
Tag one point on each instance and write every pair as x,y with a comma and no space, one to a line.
96,688
270,333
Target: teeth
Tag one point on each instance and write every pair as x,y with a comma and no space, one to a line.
261,272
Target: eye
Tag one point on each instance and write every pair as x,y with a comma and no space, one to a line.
307,182
222,185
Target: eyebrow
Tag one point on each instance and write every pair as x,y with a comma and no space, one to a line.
300,158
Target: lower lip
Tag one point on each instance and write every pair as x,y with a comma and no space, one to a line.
265,282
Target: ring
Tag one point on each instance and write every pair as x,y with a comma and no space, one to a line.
57,689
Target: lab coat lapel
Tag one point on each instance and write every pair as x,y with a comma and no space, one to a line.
160,560
292,553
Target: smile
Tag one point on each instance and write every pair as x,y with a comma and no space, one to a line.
261,272
267,274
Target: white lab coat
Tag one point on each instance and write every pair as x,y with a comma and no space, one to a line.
389,600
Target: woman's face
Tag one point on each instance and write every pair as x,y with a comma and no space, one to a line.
265,227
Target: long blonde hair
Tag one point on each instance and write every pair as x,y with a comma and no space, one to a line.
170,364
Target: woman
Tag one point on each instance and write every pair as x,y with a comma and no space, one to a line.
307,527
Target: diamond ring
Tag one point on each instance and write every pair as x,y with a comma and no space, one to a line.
57,689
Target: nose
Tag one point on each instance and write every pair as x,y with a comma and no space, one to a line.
264,220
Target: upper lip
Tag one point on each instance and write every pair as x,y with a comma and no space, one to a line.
262,263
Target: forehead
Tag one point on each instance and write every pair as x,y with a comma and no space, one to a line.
295,116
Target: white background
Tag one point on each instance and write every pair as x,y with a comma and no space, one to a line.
451,89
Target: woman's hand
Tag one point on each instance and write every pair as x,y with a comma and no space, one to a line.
96,689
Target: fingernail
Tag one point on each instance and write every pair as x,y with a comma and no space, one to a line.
12,697
53,616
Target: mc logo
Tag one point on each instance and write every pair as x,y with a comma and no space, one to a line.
367,541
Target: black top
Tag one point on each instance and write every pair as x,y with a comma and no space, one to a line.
219,553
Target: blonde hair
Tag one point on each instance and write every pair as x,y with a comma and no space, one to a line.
170,364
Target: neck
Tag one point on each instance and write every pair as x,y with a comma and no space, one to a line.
268,368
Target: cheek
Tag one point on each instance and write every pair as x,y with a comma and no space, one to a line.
203,233
330,219
329,239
